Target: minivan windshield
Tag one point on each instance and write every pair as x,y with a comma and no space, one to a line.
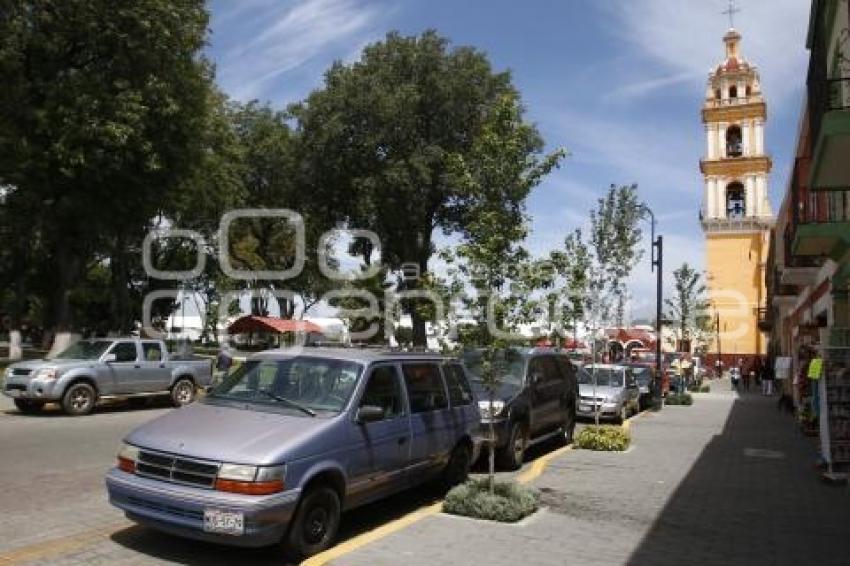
509,365
302,384
84,350
605,377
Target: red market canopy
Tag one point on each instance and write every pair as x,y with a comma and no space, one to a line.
253,323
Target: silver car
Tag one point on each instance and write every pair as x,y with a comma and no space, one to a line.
617,395
288,441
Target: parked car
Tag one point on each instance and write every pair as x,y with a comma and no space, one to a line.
617,392
90,370
535,400
291,439
644,375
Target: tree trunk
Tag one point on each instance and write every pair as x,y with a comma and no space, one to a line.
65,278
120,286
420,337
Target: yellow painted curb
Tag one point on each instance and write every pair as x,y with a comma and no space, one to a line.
540,464
373,535
352,544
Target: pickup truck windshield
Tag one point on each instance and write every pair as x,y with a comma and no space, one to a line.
84,350
313,383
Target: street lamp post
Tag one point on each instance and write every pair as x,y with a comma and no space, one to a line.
657,262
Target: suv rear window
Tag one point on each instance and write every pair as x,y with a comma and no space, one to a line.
459,391
425,389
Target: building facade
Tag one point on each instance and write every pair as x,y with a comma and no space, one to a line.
736,214
808,272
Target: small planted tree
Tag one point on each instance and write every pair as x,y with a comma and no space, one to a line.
597,270
688,305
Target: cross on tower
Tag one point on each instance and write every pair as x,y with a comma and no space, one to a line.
731,11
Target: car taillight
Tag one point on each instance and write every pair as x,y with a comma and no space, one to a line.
127,457
250,480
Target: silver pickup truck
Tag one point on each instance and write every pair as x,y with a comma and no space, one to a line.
103,368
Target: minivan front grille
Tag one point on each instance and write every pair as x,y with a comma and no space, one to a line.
177,469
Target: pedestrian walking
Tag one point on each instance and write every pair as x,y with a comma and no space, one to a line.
223,362
767,380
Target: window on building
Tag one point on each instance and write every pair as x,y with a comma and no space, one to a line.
749,91
733,91
736,205
717,94
733,141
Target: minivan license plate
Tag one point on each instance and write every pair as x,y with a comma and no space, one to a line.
225,522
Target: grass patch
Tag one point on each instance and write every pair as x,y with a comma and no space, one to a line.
509,503
679,399
603,438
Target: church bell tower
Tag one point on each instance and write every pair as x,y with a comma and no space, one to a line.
736,215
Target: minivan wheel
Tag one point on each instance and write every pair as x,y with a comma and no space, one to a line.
315,524
511,455
28,407
182,392
457,468
79,399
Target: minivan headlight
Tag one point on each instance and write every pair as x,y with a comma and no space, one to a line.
488,412
250,480
128,455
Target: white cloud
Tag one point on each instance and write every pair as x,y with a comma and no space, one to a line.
644,87
685,37
281,38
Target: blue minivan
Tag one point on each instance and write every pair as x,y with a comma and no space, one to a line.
291,439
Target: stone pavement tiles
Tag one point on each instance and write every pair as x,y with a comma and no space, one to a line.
725,481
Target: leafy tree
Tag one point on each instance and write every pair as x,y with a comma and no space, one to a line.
614,235
102,106
405,142
688,304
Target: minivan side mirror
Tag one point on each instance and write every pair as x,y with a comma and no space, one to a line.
109,358
369,414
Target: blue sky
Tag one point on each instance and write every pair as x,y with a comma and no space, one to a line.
617,83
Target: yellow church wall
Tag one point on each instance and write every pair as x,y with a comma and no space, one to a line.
734,269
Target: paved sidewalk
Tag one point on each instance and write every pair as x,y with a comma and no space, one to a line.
725,481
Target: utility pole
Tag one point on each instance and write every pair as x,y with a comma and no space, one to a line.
657,262
656,265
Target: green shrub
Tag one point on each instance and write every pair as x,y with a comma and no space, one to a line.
679,399
705,389
509,503
606,438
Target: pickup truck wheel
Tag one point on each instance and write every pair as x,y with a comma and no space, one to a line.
79,399
511,455
28,407
182,392
314,526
